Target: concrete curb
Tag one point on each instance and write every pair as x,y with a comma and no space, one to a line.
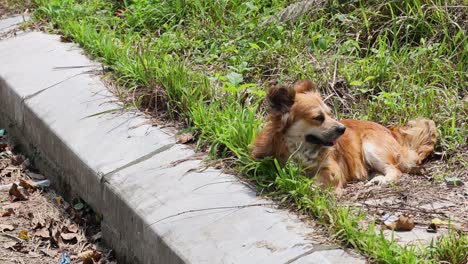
154,198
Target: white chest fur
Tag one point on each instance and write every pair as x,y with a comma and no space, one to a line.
303,152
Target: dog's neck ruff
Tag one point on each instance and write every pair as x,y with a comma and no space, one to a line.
311,155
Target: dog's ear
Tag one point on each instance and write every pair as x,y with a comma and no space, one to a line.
281,98
305,86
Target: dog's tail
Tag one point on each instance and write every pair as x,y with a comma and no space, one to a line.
418,137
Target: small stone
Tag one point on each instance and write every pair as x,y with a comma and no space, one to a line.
453,181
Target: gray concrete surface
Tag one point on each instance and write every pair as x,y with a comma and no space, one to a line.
157,206
9,23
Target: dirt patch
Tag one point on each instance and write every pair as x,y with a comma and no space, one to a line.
434,200
37,225
10,7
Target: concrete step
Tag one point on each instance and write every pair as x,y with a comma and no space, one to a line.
157,205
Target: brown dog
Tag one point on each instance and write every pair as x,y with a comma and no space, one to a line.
301,126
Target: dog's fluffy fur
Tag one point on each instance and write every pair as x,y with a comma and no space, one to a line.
300,125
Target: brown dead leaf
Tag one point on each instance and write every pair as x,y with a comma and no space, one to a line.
73,228
88,261
5,173
17,160
43,233
69,236
26,185
13,206
16,246
56,238
6,228
58,200
14,191
3,146
403,223
7,212
65,39
184,138
86,254
10,245
38,224
97,256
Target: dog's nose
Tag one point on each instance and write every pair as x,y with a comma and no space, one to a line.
341,129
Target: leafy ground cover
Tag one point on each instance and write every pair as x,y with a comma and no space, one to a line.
39,226
207,65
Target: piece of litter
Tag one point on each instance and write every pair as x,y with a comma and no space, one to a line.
41,184
438,222
2,132
64,258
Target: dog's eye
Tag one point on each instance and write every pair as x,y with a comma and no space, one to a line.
320,118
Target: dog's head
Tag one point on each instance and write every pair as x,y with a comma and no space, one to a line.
306,117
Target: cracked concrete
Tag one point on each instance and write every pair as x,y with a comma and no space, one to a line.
11,23
154,208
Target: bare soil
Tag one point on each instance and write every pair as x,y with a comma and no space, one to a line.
37,225
11,7
426,198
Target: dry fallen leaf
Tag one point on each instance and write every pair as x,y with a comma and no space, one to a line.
88,261
26,185
44,233
9,245
37,224
97,256
7,212
17,193
17,160
23,235
403,223
6,228
56,238
3,146
86,254
68,236
58,200
73,228
184,138
13,206
90,256
16,246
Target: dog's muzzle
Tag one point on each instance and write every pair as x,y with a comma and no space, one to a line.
329,139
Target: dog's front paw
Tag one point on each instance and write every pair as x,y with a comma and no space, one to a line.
378,180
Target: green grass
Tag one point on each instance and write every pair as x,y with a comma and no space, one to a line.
208,64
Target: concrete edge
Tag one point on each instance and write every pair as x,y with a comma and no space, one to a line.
125,225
